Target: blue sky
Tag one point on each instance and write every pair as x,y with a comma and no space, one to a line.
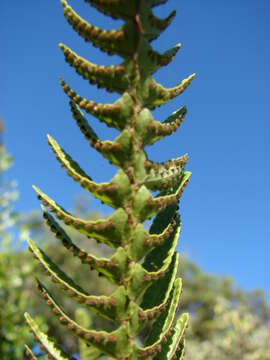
225,208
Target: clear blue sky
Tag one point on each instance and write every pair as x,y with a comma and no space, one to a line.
225,209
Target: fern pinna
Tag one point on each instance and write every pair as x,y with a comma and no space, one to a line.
144,264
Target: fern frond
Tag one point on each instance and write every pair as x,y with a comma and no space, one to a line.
143,265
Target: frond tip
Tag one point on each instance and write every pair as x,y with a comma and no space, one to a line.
159,95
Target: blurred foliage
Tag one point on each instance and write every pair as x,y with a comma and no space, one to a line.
15,270
201,294
239,334
8,196
226,322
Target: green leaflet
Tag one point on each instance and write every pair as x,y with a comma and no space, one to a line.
116,9
180,352
112,268
117,151
112,78
113,343
163,323
111,230
111,307
170,348
162,167
165,180
175,115
162,201
160,289
114,193
145,206
47,344
155,3
116,115
159,95
156,26
162,220
159,254
29,353
142,278
110,41
161,327
144,241
150,131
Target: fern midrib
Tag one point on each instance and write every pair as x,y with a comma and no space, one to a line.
134,91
